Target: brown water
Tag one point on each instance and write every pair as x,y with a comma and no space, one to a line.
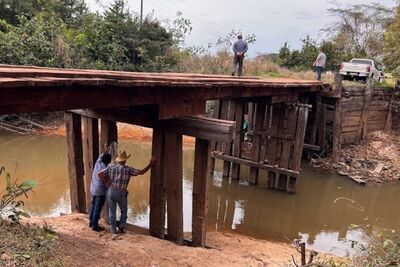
311,214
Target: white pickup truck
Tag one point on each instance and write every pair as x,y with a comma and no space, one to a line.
361,69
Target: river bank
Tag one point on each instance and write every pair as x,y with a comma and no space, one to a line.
375,160
79,246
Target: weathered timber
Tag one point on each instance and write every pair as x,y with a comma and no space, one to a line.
91,152
389,118
200,197
172,110
75,162
228,145
214,144
195,126
108,135
251,115
271,155
157,186
337,123
238,141
363,126
259,165
260,108
173,176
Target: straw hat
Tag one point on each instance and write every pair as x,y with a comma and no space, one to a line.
122,156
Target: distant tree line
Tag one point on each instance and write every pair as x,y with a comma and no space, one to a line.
64,33
366,30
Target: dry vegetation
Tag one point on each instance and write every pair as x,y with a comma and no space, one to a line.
221,63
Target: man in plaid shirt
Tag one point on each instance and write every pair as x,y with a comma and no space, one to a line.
118,177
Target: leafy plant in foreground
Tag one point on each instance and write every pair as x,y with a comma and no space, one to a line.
10,205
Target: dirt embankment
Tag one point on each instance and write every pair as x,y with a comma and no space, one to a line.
79,246
375,160
125,132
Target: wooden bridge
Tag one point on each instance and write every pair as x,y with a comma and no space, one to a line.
173,105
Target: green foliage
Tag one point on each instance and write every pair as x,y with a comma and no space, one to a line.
10,204
64,34
392,44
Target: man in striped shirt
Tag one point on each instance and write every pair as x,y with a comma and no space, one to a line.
118,177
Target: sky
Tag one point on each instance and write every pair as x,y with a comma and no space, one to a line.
274,22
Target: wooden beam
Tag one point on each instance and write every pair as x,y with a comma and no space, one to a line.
157,186
337,123
237,143
214,144
91,152
362,129
173,175
260,108
259,165
108,134
75,162
228,145
172,110
195,126
200,196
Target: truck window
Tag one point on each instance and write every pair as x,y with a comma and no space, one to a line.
361,61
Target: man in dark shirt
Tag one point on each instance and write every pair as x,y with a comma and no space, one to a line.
239,49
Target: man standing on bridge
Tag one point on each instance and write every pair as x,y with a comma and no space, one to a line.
320,63
240,48
119,176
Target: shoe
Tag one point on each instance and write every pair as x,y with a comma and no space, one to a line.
121,230
232,74
114,236
98,228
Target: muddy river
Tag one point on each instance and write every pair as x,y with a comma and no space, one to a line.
319,213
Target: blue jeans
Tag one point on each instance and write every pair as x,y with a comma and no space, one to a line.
95,210
319,73
121,198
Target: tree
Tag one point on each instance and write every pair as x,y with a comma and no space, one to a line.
392,43
359,28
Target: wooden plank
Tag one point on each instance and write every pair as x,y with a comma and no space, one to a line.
91,152
228,146
108,134
172,110
300,135
266,134
73,127
283,98
271,156
259,165
389,118
214,144
337,124
316,116
157,186
251,115
260,108
363,127
200,196
322,128
237,143
173,175
289,129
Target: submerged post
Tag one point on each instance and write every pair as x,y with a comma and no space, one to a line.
200,197
337,124
75,162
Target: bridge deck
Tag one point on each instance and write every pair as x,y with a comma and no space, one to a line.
34,89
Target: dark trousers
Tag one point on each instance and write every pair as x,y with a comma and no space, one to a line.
237,60
95,210
319,72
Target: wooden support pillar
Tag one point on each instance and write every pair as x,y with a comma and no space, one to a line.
237,143
251,115
108,134
200,197
337,123
274,143
75,162
257,139
214,144
91,150
389,119
173,176
228,146
157,186
363,125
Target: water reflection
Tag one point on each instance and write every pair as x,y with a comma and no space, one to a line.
311,214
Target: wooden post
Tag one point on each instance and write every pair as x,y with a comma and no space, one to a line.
91,149
173,176
108,134
200,197
214,144
363,126
389,119
157,186
228,146
337,124
274,146
316,114
75,162
256,142
237,143
251,115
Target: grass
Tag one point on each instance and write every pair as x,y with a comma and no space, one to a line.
22,245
